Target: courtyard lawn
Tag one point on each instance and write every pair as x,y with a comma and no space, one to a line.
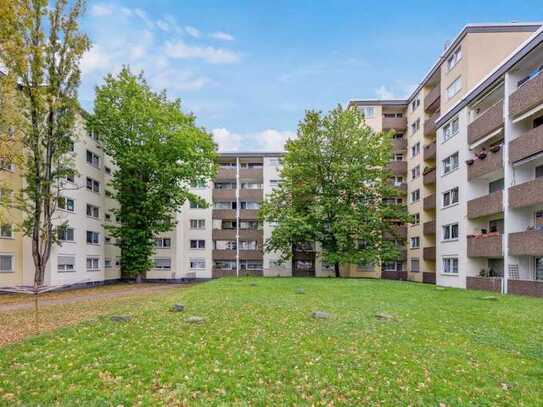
259,346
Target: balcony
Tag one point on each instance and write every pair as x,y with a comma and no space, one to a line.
430,124
526,194
432,99
244,234
224,195
479,168
487,123
429,228
429,151
529,243
251,173
429,202
224,234
248,214
528,96
429,253
429,176
398,167
489,245
397,232
395,123
399,145
226,174
255,195
227,214
528,144
490,204
224,254
250,255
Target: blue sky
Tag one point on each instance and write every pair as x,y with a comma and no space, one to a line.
249,69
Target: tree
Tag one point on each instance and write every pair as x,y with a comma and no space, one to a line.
335,190
158,152
40,48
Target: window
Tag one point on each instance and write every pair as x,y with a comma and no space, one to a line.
454,58
496,186
450,265
415,149
538,268
107,170
224,265
415,265
66,234
93,237
539,171
198,264
162,263
198,224
197,244
66,204
275,162
93,159
415,172
496,226
93,185
450,129
251,185
274,183
251,165
6,231
415,219
93,264
450,197
250,205
225,205
70,178
397,180
392,266
196,205
108,216
248,245
415,242
415,195
163,243
367,111
450,232
93,211
415,104
450,163
6,263
454,87
415,126
65,264
108,263
248,225
225,185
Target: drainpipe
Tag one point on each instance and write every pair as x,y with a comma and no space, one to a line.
237,216
508,178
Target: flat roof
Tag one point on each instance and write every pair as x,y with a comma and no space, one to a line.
245,154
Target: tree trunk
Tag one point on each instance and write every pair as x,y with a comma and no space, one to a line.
139,278
336,269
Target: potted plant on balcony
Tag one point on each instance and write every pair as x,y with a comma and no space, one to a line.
495,148
470,161
482,154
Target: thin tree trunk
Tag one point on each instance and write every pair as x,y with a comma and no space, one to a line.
336,269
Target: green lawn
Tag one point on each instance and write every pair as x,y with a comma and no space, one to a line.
259,346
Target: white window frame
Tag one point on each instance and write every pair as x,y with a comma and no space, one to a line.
417,259
367,111
415,149
451,129
199,223
449,159
160,243
454,59
415,172
198,244
418,195
454,88
66,206
447,265
448,228
64,269
197,263
73,234
93,209
162,267
412,240
7,236
95,159
95,266
450,192
94,234
13,266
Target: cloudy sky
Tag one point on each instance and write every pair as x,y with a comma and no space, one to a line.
249,69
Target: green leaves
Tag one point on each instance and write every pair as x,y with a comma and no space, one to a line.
158,152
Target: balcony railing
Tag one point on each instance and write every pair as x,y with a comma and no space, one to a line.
224,195
429,253
490,204
528,243
429,177
429,202
430,151
489,245
255,195
527,145
487,123
398,167
395,123
227,214
528,96
429,228
226,174
399,144
430,124
431,100
526,194
251,173
480,167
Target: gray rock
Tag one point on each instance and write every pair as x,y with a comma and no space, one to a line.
300,291
320,315
177,308
121,318
195,320
383,316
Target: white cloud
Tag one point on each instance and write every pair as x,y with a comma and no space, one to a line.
193,32
172,79
266,140
400,90
220,35
100,10
181,50
163,25
96,59
383,92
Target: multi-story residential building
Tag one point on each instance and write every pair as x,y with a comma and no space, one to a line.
492,238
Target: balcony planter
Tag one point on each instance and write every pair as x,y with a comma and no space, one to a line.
482,155
495,148
428,170
470,161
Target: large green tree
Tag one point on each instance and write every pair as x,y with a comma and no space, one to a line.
335,190
40,49
158,152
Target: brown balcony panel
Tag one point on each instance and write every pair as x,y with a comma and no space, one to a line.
254,195
398,167
430,124
257,235
224,234
526,194
224,255
529,243
429,178
230,234
485,246
395,123
224,195
490,204
431,100
394,275
399,144
430,151
492,162
525,287
251,173
248,214
227,214
429,253
528,96
429,277
488,122
429,202
226,174
493,284
530,143
429,228
250,255
218,273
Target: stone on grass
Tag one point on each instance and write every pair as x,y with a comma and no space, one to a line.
383,316
177,308
320,315
195,320
300,291
121,318
489,298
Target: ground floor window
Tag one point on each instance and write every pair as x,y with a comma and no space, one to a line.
93,264
450,265
66,264
392,266
365,267
197,264
107,263
250,265
6,263
225,265
304,265
415,265
164,263
539,268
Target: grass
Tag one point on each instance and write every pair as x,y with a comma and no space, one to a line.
259,346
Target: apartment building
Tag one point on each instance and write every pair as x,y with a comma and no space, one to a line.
475,52
492,237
